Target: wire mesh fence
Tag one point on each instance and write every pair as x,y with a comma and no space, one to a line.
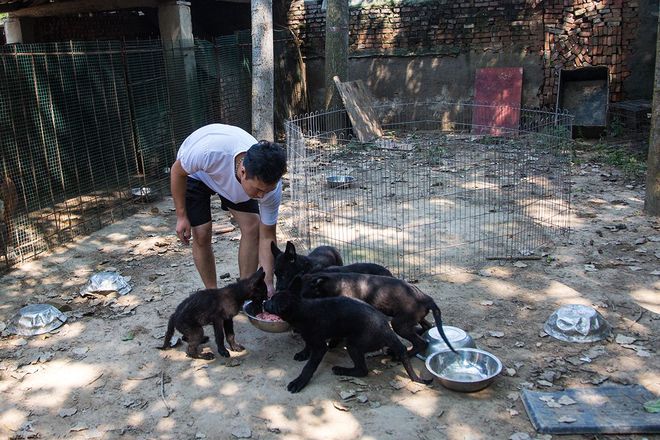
438,191
90,128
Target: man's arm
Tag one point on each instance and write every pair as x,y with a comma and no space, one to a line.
267,235
178,178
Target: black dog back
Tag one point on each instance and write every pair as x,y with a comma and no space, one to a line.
289,263
363,328
405,303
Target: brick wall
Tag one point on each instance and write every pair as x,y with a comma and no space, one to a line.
567,34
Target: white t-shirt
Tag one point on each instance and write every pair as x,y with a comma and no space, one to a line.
209,154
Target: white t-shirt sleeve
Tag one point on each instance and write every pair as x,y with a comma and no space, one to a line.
193,159
269,205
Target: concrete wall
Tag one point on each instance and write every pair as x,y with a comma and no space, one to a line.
406,79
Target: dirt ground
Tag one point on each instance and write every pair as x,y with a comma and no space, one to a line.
100,375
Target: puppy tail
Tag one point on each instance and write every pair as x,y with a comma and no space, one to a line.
168,334
437,316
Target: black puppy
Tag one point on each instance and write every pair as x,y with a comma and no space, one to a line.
217,307
288,264
364,329
405,303
366,268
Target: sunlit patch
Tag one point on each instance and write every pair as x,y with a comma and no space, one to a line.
208,405
500,289
52,386
321,421
565,294
116,237
135,419
275,373
230,389
12,419
649,380
647,298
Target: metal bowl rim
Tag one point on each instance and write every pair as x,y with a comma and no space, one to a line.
262,324
477,350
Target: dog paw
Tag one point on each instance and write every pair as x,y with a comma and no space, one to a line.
206,356
237,347
223,353
301,356
296,385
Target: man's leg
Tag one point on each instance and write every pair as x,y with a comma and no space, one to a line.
203,255
248,248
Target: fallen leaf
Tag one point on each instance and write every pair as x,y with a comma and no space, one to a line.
68,412
652,406
622,339
486,303
566,419
339,406
519,264
496,334
345,395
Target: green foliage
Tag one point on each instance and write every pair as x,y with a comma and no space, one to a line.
633,165
616,127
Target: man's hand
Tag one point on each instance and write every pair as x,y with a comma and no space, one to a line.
183,230
271,290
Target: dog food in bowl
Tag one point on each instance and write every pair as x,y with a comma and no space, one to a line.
263,320
270,317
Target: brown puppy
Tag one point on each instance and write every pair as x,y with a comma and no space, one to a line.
405,303
217,307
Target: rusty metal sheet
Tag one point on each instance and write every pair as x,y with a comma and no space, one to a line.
500,90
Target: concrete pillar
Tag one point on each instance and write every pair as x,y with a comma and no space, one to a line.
176,33
175,24
19,30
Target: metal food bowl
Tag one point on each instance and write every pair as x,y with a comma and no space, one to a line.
261,324
141,192
577,323
457,337
340,181
468,371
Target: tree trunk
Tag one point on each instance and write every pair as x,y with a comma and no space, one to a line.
652,200
336,49
262,70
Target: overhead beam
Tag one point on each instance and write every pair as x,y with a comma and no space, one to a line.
74,7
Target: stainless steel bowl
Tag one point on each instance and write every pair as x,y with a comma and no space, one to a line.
457,337
577,323
340,181
468,371
261,324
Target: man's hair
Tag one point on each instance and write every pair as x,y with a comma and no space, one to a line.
265,161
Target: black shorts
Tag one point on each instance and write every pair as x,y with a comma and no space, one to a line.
198,203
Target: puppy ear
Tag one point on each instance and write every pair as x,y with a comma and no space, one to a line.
274,249
290,249
261,273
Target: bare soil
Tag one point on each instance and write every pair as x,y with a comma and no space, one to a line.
101,376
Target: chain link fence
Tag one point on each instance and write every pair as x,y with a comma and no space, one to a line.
90,128
438,191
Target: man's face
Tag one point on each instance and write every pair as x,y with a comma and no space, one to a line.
254,187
